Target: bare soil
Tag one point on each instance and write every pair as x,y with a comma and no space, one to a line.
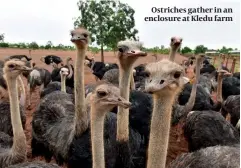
175,147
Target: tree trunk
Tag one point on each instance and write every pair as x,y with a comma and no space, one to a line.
102,54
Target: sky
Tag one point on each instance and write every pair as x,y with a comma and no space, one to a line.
44,20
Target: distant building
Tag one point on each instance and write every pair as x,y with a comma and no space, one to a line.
234,52
212,53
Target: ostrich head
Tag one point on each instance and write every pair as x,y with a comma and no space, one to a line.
129,51
176,43
13,68
42,58
80,37
107,96
64,71
164,77
69,59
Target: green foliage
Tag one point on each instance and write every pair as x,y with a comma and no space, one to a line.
200,49
107,21
4,45
186,50
33,45
225,50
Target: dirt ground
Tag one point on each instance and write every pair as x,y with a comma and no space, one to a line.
175,148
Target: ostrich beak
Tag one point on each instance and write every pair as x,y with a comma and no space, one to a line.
118,100
25,68
137,53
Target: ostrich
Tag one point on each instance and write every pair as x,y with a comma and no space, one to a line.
182,110
175,45
37,77
165,81
55,75
51,60
61,86
71,143
17,152
208,128
232,106
215,156
129,51
103,99
99,68
74,115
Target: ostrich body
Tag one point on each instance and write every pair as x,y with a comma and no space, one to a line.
17,152
208,128
103,99
54,86
232,106
55,75
165,81
38,77
51,59
175,45
215,157
53,136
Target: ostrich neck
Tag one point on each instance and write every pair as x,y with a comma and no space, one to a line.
219,89
191,101
160,126
63,85
23,92
132,83
172,54
97,139
123,114
19,141
80,111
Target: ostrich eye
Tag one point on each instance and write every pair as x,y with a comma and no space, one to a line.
177,74
11,66
172,39
101,93
121,50
85,35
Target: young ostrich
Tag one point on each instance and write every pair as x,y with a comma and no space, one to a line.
38,77
175,45
53,136
165,80
55,75
103,99
17,152
215,156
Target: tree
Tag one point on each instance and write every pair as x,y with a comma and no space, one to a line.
33,45
225,50
2,36
107,21
49,45
200,49
186,50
